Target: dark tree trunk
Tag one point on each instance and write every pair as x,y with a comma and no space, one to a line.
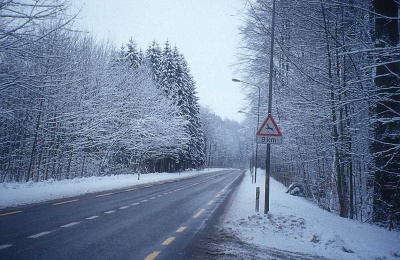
386,204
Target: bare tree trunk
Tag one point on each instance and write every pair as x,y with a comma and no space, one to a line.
386,203
35,139
69,163
83,165
340,178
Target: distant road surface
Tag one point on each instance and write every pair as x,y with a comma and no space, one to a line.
151,221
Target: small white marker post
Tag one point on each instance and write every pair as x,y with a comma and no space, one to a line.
257,199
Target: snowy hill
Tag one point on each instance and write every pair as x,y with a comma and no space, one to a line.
293,224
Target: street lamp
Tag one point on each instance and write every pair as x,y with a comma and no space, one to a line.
258,120
253,158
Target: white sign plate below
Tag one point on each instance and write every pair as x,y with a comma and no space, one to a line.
269,139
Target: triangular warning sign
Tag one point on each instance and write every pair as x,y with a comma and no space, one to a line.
269,128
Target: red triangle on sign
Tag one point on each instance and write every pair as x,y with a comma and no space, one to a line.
269,128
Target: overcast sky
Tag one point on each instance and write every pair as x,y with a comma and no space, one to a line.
205,32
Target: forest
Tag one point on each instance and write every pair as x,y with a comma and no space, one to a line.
73,106
336,99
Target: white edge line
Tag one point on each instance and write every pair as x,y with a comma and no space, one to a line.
92,217
40,234
70,224
5,246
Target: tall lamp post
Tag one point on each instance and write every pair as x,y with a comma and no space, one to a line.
252,155
258,120
271,70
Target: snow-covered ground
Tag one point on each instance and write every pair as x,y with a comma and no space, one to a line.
14,194
293,224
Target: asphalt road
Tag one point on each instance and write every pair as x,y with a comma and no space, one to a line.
153,221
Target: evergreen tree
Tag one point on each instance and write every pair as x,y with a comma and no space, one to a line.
188,105
154,61
173,77
169,73
133,56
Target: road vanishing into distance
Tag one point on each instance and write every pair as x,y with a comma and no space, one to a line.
150,221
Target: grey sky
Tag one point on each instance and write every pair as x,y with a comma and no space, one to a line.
205,31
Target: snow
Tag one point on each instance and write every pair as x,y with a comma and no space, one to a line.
296,225
292,224
14,193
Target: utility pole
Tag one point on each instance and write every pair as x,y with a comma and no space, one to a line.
258,121
258,125
271,70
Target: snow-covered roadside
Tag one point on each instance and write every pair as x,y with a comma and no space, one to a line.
296,225
13,194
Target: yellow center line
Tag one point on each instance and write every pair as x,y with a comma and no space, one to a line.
10,213
181,229
106,194
65,202
153,255
199,213
168,241
209,203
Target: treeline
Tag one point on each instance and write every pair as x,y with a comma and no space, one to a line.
336,99
71,106
226,141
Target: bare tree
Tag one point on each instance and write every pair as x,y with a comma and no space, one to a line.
386,144
323,95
